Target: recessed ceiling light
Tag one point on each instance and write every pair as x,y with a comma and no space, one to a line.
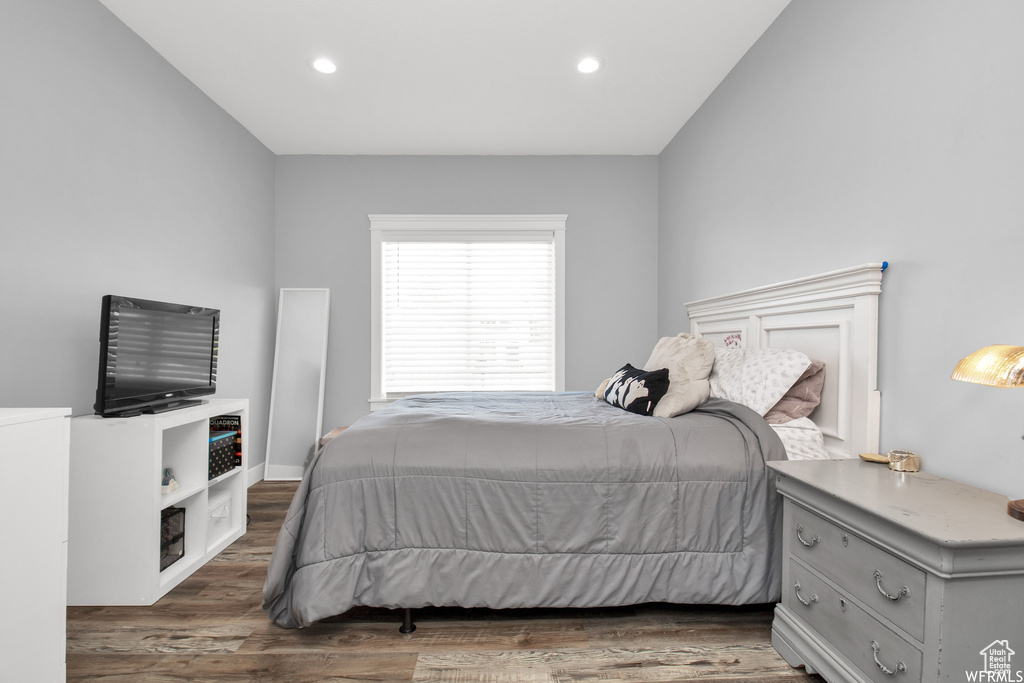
324,65
589,65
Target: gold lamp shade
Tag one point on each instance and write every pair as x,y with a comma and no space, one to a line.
996,366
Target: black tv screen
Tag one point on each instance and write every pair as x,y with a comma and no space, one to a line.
154,356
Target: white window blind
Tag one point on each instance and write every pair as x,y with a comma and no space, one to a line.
464,309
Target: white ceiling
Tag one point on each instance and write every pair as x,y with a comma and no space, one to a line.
454,76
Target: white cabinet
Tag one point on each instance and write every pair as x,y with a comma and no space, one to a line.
897,576
117,464
33,536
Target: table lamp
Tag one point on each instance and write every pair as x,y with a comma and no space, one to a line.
995,366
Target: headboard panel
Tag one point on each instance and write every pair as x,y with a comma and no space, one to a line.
831,317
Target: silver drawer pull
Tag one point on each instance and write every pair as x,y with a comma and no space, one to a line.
799,530
903,592
900,666
807,603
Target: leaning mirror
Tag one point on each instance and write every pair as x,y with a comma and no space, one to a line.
297,392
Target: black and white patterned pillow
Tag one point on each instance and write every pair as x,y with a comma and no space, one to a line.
636,390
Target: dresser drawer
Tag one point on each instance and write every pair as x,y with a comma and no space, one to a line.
857,635
887,584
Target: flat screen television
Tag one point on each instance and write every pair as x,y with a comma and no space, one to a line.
154,356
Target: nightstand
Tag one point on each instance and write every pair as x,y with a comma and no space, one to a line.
897,576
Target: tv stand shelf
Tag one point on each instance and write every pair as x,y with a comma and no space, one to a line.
115,501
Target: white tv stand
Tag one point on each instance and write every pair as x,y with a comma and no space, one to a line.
115,501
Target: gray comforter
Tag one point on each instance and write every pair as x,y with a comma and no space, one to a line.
530,500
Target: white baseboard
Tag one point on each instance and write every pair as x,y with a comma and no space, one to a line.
255,474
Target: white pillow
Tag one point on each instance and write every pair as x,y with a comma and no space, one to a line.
757,378
689,360
802,439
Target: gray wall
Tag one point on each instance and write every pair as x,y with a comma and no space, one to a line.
866,131
851,132
611,246
118,175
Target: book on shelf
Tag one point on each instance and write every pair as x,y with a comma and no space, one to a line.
230,423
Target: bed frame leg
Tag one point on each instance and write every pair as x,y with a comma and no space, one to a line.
407,625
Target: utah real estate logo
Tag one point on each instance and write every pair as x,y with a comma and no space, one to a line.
996,666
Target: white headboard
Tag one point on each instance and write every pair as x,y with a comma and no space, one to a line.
831,317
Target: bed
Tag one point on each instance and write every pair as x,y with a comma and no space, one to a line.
565,500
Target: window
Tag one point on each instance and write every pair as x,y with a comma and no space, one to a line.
466,303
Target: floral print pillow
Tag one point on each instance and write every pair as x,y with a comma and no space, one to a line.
757,378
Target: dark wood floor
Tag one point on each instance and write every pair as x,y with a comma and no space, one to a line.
211,628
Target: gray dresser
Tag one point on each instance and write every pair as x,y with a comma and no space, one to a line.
892,576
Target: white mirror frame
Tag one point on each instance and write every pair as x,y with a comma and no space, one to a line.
297,391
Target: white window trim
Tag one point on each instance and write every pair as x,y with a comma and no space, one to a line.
383,225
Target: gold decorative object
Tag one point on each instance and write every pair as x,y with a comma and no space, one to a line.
904,461
995,366
898,461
